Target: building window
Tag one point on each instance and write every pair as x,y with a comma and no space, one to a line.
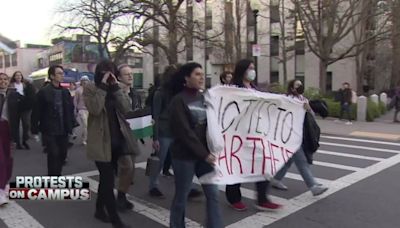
274,77
138,80
1,61
7,62
274,14
300,47
14,61
274,46
208,18
208,82
56,58
328,82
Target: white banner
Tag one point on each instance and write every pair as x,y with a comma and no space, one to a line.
251,133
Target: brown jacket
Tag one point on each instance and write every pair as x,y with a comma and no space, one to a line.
99,139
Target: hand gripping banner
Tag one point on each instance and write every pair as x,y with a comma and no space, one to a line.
253,134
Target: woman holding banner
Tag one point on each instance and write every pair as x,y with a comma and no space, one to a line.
243,77
295,90
190,155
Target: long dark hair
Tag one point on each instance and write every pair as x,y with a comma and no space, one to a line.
178,80
240,70
222,77
13,77
290,87
167,77
103,67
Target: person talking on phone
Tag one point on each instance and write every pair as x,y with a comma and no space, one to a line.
109,135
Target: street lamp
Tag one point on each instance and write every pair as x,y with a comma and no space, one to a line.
255,8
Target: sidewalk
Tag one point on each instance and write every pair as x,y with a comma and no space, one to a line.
383,128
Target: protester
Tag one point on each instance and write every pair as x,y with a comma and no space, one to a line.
226,78
295,90
190,154
396,104
162,137
109,135
81,110
26,95
243,77
53,117
345,98
126,162
8,98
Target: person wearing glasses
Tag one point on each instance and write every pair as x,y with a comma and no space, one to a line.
53,117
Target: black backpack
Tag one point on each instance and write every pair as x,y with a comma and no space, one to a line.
311,135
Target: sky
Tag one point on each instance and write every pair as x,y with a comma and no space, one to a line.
29,21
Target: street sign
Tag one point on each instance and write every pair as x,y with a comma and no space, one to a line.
256,50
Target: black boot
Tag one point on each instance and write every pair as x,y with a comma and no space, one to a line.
19,147
26,145
122,203
101,215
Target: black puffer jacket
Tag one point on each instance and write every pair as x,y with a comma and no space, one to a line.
311,135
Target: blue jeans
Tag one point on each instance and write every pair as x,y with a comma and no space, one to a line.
299,158
165,142
184,171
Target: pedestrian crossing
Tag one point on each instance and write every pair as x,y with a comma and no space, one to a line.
339,148
340,162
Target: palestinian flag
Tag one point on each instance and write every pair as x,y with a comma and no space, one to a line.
140,123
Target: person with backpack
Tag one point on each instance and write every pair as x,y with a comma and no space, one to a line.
303,157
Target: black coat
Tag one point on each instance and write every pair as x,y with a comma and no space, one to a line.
44,115
311,135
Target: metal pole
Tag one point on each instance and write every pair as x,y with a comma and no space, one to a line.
205,39
256,42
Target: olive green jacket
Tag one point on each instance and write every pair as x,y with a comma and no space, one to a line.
98,139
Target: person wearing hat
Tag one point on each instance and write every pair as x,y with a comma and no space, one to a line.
80,108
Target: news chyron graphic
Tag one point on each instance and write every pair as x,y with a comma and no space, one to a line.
49,188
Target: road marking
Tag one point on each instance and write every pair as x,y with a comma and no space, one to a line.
150,210
360,147
295,204
360,140
349,155
375,135
296,176
13,215
337,166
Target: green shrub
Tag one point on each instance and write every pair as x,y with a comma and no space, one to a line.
334,109
373,110
382,107
312,93
277,88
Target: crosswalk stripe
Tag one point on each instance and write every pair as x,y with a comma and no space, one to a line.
13,215
360,147
349,155
298,177
295,204
150,210
361,140
337,166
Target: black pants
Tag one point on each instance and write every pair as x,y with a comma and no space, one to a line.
167,162
105,197
233,194
24,118
345,108
396,113
56,147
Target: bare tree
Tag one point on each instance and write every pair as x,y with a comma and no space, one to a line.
395,38
109,22
328,28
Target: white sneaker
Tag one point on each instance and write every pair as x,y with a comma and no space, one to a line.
349,123
278,185
3,198
317,190
84,143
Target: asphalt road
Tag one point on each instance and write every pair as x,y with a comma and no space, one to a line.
362,176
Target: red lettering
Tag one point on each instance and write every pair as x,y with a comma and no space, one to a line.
233,153
224,157
254,151
289,154
265,157
273,160
283,154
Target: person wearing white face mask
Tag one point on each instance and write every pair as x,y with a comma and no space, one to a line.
243,77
